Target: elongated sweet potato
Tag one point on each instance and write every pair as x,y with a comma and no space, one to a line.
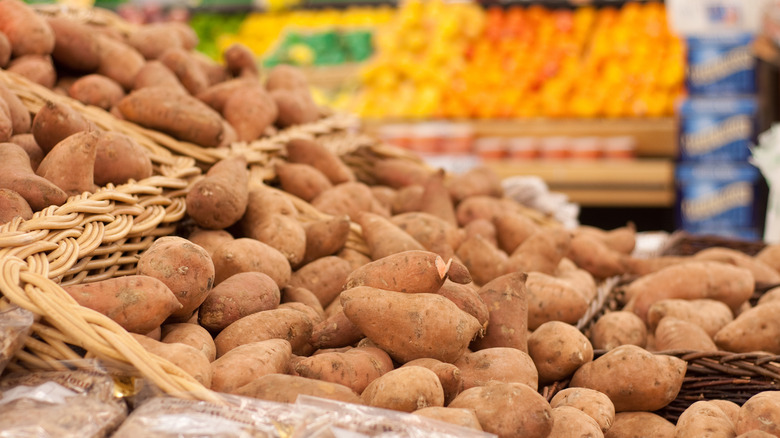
209,240
17,175
400,172
408,271
313,153
244,254
324,277
507,304
220,199
302,180
501,364
190,334
186,69
173,113
483,260
247,362
383,238
238,296
291,325
76,47
96,90
136,302
119,61
676,334
71,163
512,229
593,255
157,74
355,368
711,315
54,122
424,325
27,142
285,388
762,273
21,121
13,205
325,237
28,32
295,107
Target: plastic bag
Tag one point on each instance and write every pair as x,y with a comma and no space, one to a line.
59,404
15,324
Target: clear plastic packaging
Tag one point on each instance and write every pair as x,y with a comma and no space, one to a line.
15,324
59,404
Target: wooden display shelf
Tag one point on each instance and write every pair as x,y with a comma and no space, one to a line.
601,183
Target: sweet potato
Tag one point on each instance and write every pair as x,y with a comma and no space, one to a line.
760,412
594,403
240,61
191,360
618,328
405,389
572,422
355,368
336,330
483,228
384,195
36,68
449,376
34,152
756,329
697,279
383,238
325,237
238,296
184,267
770,256
640,424
436,200
579,279
593,255
507,304
55,122
408,271
552,299
157,74
401,172
119,158
288,324
729,408
355,258
484,261
633,378
540,252
71,163
324,277
407,199
75,45
710,315
466,297
512,229
621,239
5,50
501,364
96,90
349,199
302,180
508,409
119,61
675,334
217,94
477,181
152,40
192,335
13,205
434,233
295,107
247,362
209,240
284,388
28,32
459,417
424,325
186,69
284,233
557,350
286,77
244,254
772,294
762,273
703,418
292,294
220,199
483,207
313,153
174,113
315,316
17,175
136,302
21,121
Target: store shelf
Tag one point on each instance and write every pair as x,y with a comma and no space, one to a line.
602,183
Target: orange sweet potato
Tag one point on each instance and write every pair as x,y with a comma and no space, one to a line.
336,330
71,163
5,50
119,61
408,271
762,273
348,198
313,153
217,94
512,229
436,198
28,32
676,334
756,329
17,175
247,362
190,334
136,302
13,205
466,297
383,238
54,122
36,68
304,296
407,199
552,299
285,388
424,325
507,304
325,237
295,107
594,256
238,296
96,90
27,142
501,364
250,112
76,47
220,199
483,260
355,368
244,254
449,376
324,277
184,267
618,328
186,69
302,180
288,324
157,74
240,61
119,158
21,121
209,240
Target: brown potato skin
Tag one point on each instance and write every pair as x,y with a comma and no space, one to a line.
310,152
76,47
633,378
17,175
466,297
411,272
28,143
28,32
55,122
355,368
325,237
119,61
302,180
70,164
238,296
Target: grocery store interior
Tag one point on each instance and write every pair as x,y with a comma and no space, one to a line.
642,111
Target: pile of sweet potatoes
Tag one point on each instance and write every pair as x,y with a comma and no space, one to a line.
455,303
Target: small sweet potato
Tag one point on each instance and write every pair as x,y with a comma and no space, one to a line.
209,240
152,40
770,256
96,90
286,77
349,199
244,254
247,362
191,360
119,158
313,153
760,412
220,199
401,172
13,205
136,302
36,68
238,296
71,163
285,388
703,418
477,181
483,228
449,376
288,324
466,297
558,349
240,61
756,329
508,409
405,389
76,47
676,334
190,334
618,328
552,299
184,267
324,277
325,237
434,233
315,316
594,256
217,94
507,304
302,180
572,422
459,417
407,199
621,239
436,198
594,403
540,252
408,271
336,330
483,260
16,174
118,61
157,74
28,32
482,207
55,122
27,142
292,294
424,325
21,121
355,368
295,107
186,69
383,238
501,364
512,229
640,424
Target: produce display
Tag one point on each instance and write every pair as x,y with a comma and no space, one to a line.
315,291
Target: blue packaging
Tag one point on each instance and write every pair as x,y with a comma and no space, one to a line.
717,129
718,199
721,65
